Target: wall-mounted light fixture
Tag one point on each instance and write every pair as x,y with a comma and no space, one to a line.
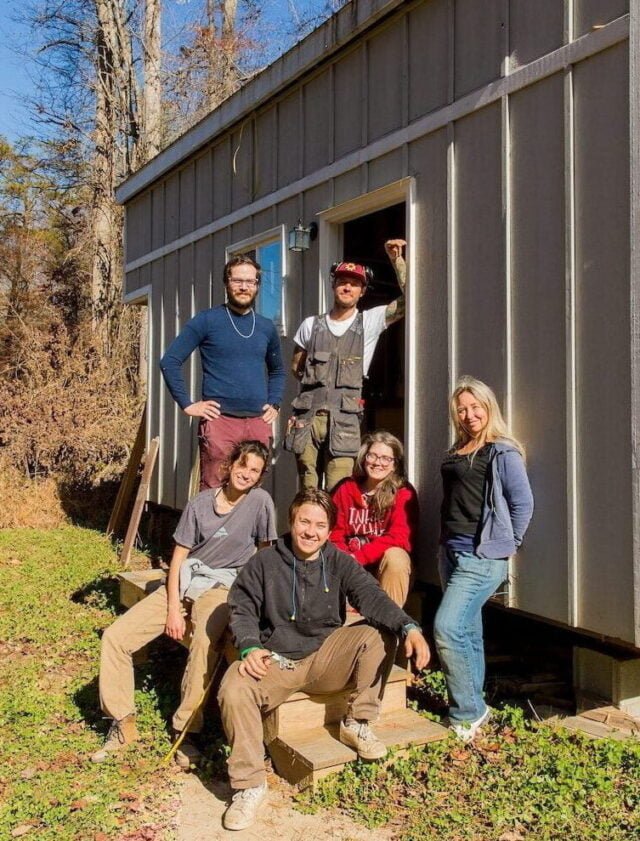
300,238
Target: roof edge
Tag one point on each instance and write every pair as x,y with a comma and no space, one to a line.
336,32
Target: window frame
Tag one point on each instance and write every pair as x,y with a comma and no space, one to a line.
276,234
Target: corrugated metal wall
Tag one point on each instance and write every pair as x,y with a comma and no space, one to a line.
513,120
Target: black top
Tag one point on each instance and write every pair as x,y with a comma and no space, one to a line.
463,479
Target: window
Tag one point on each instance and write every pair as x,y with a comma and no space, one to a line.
269,250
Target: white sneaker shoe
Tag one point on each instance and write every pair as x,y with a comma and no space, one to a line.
467,732
359,736
244,807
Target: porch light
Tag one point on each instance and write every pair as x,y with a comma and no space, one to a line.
300,238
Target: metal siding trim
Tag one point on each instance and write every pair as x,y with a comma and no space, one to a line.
584,47
411,338
452,263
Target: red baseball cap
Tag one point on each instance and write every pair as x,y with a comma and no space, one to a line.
352,270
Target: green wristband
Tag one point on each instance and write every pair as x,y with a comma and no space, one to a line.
246,651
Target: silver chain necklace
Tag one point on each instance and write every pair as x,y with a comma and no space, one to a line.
236,329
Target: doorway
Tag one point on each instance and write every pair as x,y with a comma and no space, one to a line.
363,242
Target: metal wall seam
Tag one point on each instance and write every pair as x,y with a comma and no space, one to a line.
411,334
451,211
570,274
511,588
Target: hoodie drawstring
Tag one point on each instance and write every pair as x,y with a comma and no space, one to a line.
292,618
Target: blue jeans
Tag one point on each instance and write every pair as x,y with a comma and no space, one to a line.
467,582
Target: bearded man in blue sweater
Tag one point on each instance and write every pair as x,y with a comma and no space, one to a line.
243,375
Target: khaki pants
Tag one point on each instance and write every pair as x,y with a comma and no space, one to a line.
316,460
357,657
144,622
394,574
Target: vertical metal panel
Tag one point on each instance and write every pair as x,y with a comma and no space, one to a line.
634,75
187,198
222,175
386,169
264,221
157,216
347,103
169,450
289,146
138,226
131,281
427,291
480,249
479,43
184,437
172,207
204,190
534,29
220,240
539,338
266,151
348,186
386,80
428,57
203,274
156,389
241,230
590,13
242,165
603,341
317,125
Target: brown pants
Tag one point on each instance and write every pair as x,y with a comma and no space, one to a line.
219,436
357,657
316,461
394,574
144,622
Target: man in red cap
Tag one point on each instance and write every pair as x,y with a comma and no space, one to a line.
331,359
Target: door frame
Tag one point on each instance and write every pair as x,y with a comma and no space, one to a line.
331,241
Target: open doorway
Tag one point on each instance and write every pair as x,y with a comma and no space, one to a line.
363,242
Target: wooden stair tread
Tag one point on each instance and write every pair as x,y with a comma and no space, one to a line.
396,675
305,756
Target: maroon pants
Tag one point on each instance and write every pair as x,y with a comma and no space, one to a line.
219,436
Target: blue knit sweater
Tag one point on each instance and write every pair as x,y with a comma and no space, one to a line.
242,374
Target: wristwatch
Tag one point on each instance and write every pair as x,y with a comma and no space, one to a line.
410,626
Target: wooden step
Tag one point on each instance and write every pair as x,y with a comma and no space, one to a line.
137,584
308,755
312,711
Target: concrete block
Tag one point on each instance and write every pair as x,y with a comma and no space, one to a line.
615,679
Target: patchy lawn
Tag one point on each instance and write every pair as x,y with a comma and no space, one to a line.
56,594
523,781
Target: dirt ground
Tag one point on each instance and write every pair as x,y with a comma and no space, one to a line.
200,817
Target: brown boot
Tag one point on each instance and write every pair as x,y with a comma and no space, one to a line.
188,755
121,733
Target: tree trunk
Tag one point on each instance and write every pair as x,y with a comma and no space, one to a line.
152,91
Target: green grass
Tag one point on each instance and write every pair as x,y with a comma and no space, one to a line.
56,594
522,781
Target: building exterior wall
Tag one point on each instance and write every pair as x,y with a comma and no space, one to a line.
512,131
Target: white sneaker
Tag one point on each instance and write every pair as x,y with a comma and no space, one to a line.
244,807
467,732
359,736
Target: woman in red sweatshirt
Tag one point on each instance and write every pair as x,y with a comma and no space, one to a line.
378,514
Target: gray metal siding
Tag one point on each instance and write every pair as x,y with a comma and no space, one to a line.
348,92
187,199
317,122
266,151
203,188
289,139
386,80
539,349
603,342
429,57
534,29
590,13
480,287
479,43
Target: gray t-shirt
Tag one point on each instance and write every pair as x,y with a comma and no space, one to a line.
226,540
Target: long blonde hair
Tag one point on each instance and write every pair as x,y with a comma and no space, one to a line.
385,493
496,428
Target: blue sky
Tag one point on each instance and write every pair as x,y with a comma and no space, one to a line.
15,81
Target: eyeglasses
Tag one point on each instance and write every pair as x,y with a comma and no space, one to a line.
385,461
247,284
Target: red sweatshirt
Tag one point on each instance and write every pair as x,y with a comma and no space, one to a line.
367,539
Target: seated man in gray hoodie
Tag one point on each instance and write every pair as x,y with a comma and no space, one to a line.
288,607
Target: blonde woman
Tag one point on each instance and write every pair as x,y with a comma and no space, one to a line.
378,514
486,509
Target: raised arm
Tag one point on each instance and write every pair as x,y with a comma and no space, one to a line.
394,248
